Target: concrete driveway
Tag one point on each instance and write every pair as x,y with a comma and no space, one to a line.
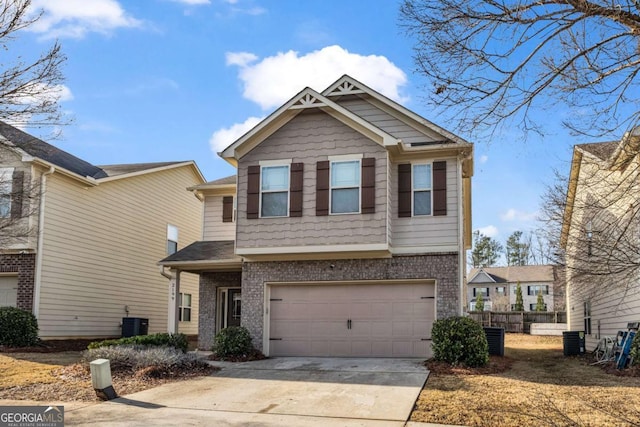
274,392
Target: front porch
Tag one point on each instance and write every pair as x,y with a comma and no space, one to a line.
220,272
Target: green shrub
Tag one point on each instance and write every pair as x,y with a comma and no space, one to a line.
18,328
178,341
460,340
233,341
635,349
132,358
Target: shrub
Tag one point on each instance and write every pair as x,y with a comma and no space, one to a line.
155,361
460,340
233,341
178,341
635,349
18,328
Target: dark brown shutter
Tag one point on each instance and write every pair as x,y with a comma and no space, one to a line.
368,202
322,188
439,188
253,192
227,209
404,190
17,191
295,192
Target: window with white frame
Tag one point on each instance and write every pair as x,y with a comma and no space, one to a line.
534,290
587,317
172,239
6,182
345,186
481,291
274,191
501,290
421,189
184,308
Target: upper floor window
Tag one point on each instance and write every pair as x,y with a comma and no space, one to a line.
172,239
501,290
274,191
6,181
537,289
483,291
421,189
345,186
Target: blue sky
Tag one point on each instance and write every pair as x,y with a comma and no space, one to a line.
161,80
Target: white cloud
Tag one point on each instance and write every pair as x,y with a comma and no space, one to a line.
76,18
516,215
273,80
483,159
224,137
489,230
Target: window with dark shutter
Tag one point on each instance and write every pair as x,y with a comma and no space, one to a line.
404,190
253,192
295,192
368,191
439,188
227,209
17,187
322,188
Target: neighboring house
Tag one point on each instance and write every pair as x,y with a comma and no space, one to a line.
498,286
343,234
79,243
601,238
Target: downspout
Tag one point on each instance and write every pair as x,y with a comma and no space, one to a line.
39,255
164,273
462,251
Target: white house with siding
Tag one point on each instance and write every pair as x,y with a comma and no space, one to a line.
81,242
601,239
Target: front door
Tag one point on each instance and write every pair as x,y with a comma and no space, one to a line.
229,307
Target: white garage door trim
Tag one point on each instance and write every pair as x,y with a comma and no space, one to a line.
271,285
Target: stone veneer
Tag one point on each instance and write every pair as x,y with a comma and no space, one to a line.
209,284
443,268
24,265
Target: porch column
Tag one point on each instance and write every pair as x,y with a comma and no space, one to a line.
174,292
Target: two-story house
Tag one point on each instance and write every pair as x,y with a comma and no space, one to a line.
79,243
497,285
343,232
601,237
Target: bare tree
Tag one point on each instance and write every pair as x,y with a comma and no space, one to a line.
489,61
30,86
601,251
18,207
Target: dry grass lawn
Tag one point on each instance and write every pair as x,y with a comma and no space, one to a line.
541,387
20,369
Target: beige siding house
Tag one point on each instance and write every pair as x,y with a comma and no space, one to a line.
82,241
601,238
343,232
498,287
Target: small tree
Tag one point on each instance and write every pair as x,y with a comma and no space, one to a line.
479,302
540,306
519,303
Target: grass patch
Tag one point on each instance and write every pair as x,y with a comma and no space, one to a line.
533,385
20,369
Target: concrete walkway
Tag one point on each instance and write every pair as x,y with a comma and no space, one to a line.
274,392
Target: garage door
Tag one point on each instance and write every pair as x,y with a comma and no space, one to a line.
8,291
363,320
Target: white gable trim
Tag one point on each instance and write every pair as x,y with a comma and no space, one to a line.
307,98
481,271
347,85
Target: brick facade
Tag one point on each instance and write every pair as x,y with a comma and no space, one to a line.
24,265
209,284
443,268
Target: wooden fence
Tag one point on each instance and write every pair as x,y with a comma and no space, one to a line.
517,321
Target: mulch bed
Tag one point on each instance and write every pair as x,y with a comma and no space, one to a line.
497,365
250,357
50,346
